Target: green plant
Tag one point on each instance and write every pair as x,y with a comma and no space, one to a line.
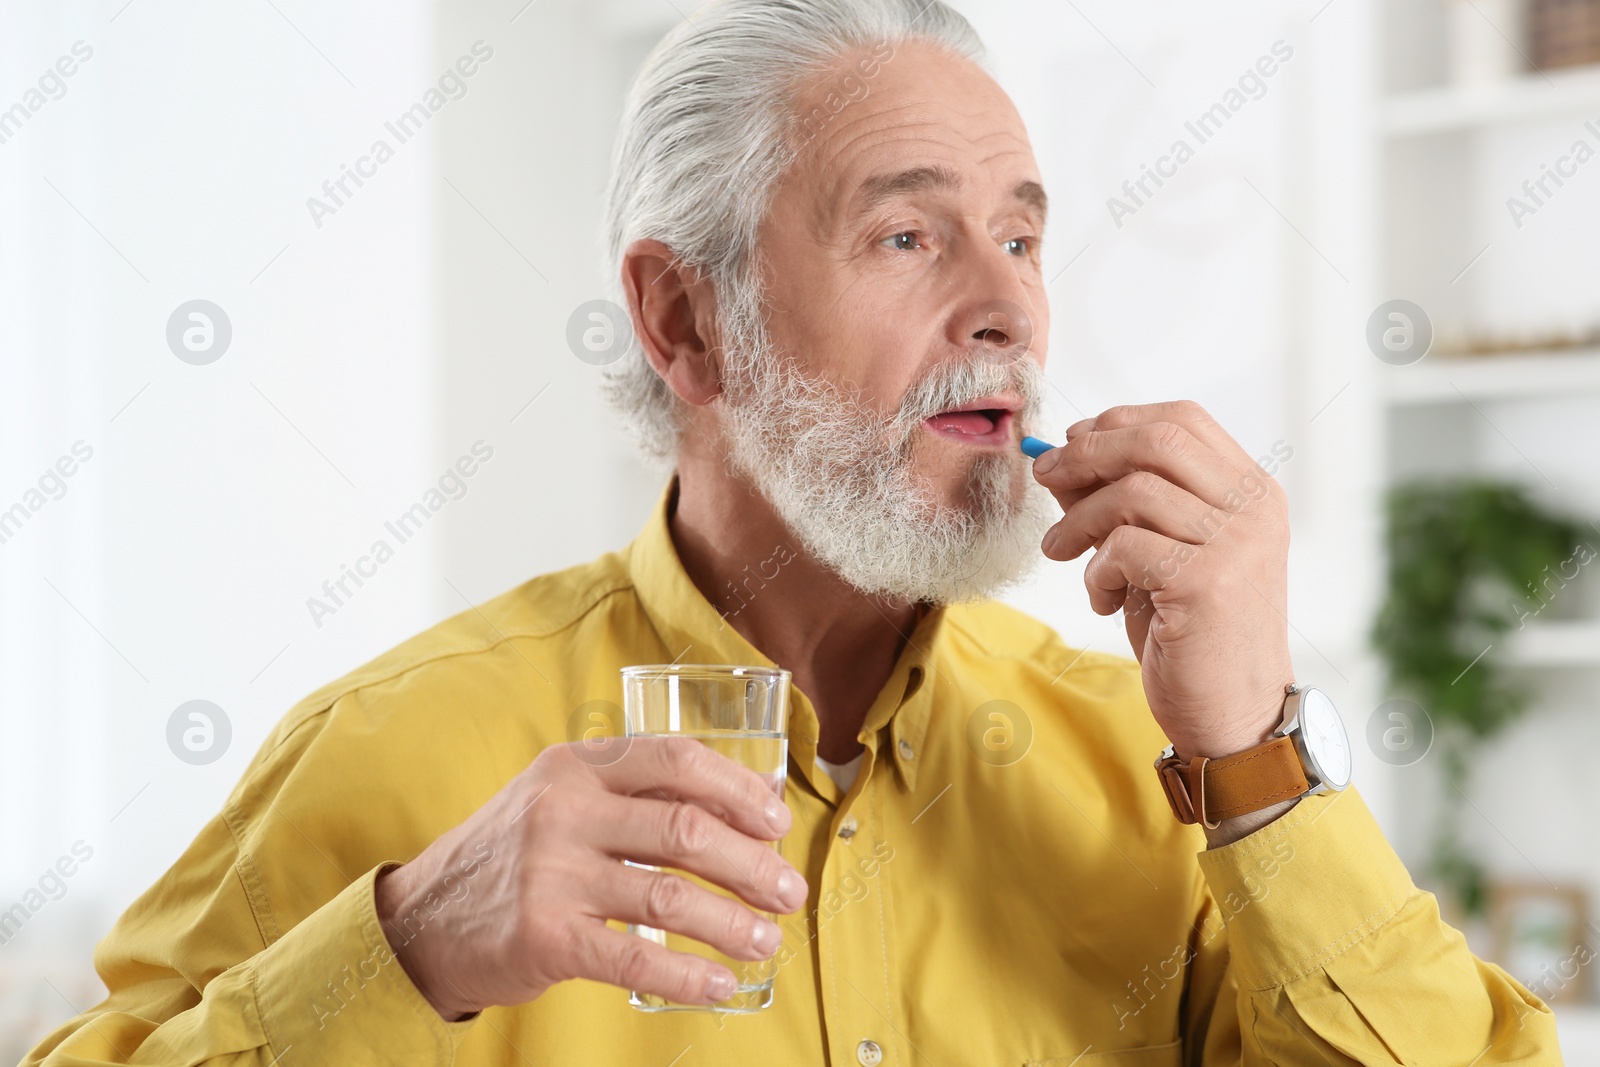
1461,557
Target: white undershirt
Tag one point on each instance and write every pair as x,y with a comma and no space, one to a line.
843,774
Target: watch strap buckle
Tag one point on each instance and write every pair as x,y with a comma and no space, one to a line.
1176,776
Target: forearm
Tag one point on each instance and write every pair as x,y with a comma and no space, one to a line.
329,988
1330,945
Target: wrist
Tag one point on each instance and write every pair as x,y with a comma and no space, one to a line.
1240,826
1263,774
1246,730
1230,742
398,905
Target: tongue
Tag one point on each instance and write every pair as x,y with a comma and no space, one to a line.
961,422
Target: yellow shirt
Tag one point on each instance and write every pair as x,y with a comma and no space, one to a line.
977,896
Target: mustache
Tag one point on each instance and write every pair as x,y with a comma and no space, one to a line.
957,384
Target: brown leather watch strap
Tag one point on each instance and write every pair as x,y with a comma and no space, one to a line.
1208,791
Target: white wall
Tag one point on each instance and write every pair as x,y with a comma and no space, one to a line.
218,498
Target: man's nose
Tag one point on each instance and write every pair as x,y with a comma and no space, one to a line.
1000,328
995,320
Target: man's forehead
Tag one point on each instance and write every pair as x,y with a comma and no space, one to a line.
926,124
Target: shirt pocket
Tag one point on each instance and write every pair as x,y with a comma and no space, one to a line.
1169,1055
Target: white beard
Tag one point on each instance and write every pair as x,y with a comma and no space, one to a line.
840,476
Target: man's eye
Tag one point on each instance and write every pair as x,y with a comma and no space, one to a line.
902,242
1019,246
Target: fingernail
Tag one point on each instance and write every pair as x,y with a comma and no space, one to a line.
767,937
721,985
1045,463
791,889
778,815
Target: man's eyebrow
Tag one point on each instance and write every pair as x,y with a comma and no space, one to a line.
1032,194
881,187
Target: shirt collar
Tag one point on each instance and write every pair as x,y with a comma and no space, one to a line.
696,632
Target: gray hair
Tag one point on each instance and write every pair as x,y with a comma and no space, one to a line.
705,136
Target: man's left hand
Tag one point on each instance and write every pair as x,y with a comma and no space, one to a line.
1192,540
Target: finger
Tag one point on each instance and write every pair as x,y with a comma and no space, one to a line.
1136,603
1186,413
1068,497
670,902
631,962
1141,499
682,768
1164,448
674,833
1130,556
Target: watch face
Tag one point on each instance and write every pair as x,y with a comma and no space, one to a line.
1322,732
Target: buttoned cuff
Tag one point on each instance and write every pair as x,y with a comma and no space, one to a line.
332,990
1305,888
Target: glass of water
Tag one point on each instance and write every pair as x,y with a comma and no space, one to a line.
743,713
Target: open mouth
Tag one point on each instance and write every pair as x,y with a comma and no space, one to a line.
985,422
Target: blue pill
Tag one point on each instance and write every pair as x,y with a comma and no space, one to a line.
1034,447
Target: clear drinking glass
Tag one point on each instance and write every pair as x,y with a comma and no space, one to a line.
743,713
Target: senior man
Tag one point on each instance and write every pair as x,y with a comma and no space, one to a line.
825,217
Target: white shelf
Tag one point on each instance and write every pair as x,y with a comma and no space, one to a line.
1447,380
1554,644
1530,96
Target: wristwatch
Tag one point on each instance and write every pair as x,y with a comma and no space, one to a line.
1309,753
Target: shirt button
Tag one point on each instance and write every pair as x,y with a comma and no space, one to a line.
847,829
868,1054
906,751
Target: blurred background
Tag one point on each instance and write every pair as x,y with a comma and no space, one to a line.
1372,261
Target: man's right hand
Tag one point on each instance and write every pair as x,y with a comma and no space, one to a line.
535,913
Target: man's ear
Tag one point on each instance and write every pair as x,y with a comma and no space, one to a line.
674,312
